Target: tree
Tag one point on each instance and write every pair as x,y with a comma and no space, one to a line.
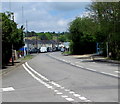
107,15
11,36
82,35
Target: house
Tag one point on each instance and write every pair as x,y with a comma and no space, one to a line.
31,44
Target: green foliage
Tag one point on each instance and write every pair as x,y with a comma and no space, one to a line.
102,25
81,36
107,15
45,36
11,35
61,37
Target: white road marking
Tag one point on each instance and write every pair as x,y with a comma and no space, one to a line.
88,68
8,89
72,64
64,96
80,66
36,72
62,87
71,92
56,91
87,100
59,93
91,69
117,71
67,90
52,88
69,99
55,84
109,74
76,95
49,86
35,76
83,98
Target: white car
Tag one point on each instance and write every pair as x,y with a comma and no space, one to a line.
43,49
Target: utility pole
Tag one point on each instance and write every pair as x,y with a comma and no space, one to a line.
107,49
36,41
12,55
11,18
23,34
57,40
12,43
27,38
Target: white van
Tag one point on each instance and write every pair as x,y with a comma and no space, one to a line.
43,49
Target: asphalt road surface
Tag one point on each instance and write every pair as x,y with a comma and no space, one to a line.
51,77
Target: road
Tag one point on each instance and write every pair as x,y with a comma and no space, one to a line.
51,77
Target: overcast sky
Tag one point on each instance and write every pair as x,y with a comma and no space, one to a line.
46,16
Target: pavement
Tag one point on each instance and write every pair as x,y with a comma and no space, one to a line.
17,63
94,58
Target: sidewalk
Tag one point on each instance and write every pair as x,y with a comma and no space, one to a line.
10,67
95,58
17,63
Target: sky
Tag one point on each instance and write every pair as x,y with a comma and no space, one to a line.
45,16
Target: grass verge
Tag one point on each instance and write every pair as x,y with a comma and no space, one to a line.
28,57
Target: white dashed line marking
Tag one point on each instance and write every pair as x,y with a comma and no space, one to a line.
82,98
62,87
49,87
67,90
109,74
64,96
89,68
117,71
33,72
55,90
76,95
71,92
69,99
88,100
59,93
8,89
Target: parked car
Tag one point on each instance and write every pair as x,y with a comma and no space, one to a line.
49,49
43,49
34,50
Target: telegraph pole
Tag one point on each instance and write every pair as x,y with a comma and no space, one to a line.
12,43
27,37
107,49
11,18
23,34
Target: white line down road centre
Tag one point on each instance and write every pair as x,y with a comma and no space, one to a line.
58,89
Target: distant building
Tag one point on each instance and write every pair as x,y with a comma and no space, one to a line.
30,44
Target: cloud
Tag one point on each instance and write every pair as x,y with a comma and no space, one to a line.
43,16
68,6
48,0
